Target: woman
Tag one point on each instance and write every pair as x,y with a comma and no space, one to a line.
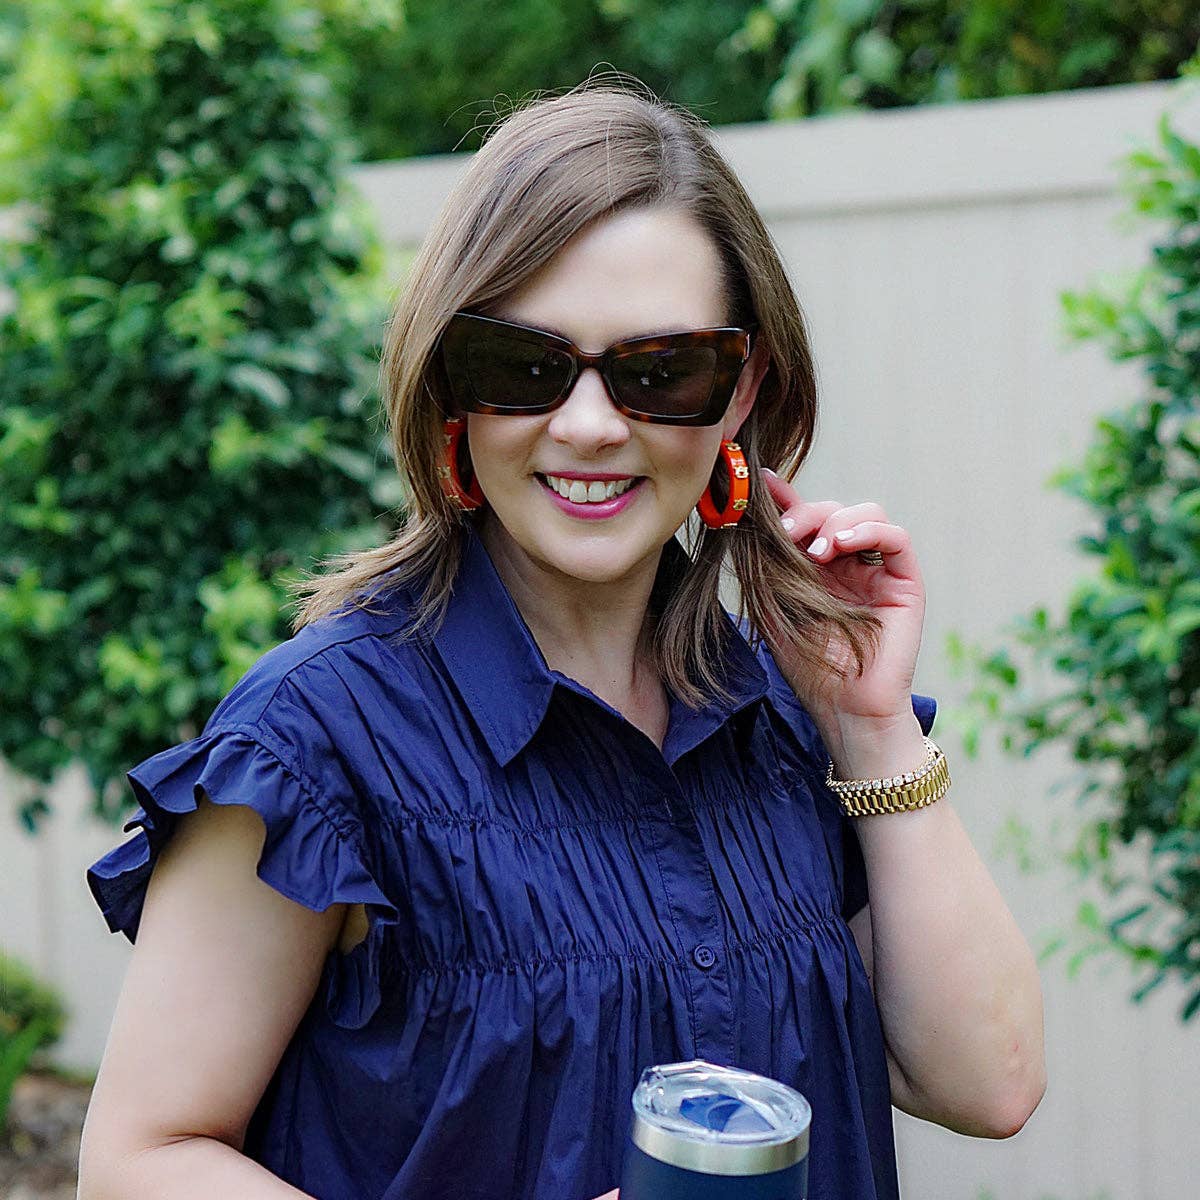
537,812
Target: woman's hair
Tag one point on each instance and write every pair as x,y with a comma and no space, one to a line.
545,173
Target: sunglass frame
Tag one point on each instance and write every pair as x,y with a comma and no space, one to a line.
732,346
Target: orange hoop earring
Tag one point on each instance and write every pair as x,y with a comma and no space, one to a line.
465,498
739,491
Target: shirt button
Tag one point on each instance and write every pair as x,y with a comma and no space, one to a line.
703,957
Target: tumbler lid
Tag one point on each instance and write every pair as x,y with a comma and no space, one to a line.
719,1120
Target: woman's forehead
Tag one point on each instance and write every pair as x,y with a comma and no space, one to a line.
637,272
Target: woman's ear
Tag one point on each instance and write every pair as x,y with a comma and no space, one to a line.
744,395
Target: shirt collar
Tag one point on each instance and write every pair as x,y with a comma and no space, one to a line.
502,675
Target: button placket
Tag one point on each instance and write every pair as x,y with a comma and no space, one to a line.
695,909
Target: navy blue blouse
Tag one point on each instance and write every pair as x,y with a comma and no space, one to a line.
553,905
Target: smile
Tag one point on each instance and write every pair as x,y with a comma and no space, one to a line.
579,491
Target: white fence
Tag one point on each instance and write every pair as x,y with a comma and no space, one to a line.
929,249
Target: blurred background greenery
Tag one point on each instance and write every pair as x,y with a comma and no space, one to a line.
188,415
189,326
187,408
415,77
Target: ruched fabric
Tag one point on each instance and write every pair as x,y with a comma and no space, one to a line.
554,903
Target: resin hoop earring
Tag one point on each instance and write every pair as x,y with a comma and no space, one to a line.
465,498
738,474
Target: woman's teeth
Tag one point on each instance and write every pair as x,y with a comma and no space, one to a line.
579,492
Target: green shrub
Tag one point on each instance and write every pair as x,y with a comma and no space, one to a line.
426,84
1126,653
187,370
31,1019
420,85
884,53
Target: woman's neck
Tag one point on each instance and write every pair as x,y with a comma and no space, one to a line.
599,634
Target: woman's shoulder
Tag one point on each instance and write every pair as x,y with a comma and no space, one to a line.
795,718
330,666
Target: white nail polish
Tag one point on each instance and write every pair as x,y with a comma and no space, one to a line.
818,547
789,524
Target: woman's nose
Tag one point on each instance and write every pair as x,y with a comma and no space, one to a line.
588,419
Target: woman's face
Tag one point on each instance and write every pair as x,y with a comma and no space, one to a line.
639,272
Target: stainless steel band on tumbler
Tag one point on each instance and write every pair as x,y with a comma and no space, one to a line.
780,1116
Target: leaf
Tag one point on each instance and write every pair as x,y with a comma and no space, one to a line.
1125,918
16,1051
1182,621
1050,947
1192,1007
234,444
33,812
855,12
258,381
1145,989
1077,960
876,57
1143,158
760,30
354,463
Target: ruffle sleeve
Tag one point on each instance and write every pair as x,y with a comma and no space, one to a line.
312,854
926,709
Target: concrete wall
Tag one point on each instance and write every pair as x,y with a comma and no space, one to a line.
929,249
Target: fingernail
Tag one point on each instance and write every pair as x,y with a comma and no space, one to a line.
789,524
768,470
818,547
844,535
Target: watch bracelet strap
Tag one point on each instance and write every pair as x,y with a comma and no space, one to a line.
898,793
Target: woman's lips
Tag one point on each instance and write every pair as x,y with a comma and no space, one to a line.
593,509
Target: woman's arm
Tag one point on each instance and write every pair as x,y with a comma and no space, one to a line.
222,972
956,983
196,1168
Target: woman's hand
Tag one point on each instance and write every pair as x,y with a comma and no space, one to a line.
881,699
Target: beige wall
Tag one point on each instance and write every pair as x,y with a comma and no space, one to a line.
929,249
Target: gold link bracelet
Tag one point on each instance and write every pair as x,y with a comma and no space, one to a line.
899,793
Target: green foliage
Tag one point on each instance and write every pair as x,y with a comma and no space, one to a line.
430,84
187,367
31,1019
424,84
1125,656
840,54
420,84
420,79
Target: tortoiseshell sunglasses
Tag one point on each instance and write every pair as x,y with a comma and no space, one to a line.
670,379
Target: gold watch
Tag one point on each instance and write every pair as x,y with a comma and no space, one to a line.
899,793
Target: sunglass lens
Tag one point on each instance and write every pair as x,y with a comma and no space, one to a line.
676,382
512,372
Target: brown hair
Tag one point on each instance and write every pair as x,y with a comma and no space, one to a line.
546,171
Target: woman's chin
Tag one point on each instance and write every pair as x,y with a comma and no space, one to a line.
597,559
599,554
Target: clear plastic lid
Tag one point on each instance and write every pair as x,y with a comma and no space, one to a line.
719,1120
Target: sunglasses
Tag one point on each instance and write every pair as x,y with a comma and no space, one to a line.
670,379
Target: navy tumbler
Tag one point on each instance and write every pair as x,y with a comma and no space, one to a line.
704,1132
